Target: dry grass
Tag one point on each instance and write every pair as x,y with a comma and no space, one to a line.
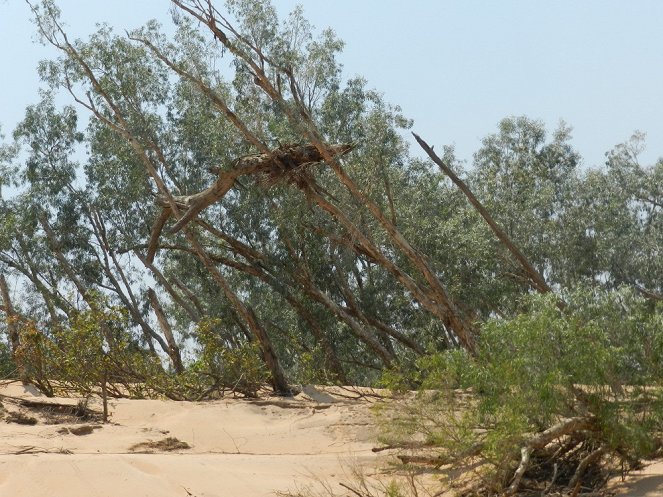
20,418
169,444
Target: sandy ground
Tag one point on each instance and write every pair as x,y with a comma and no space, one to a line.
645,483
237,447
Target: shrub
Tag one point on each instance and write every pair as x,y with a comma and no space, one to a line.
237,367
570,387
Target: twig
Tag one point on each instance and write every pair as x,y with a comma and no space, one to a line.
428,461
351,490
405,445
552,480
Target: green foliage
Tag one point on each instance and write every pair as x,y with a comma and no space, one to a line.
237,368
323,300
600,358
7,364
89,355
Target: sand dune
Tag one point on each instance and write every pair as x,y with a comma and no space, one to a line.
237,447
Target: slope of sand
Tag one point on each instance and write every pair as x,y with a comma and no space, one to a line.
237,447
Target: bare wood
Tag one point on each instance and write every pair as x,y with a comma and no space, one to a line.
584,464
173,348
155,234
196,203
542,439
11,316
525,453
435,461
406,445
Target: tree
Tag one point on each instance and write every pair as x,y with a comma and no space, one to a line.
151,105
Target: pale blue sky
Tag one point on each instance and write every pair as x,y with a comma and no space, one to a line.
456,67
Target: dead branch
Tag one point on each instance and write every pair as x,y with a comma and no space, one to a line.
536,279
542,439
584,464
286,164
405,445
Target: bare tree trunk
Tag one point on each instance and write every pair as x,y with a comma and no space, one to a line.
104,394
11,316
279,383
173,349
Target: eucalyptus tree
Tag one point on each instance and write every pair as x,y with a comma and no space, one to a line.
526,182
332,254
70,222
292,91
614,227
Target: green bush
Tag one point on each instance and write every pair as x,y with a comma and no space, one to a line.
600,360
238,368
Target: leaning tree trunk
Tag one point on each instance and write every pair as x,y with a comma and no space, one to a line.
11,316
173,348
536,279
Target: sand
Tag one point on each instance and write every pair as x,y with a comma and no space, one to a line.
647,482
230,447
237,447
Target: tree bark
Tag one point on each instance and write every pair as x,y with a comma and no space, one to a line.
173,349
11,316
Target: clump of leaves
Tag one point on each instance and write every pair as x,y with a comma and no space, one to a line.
550,393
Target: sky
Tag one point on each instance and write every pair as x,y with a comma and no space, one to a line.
455,67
